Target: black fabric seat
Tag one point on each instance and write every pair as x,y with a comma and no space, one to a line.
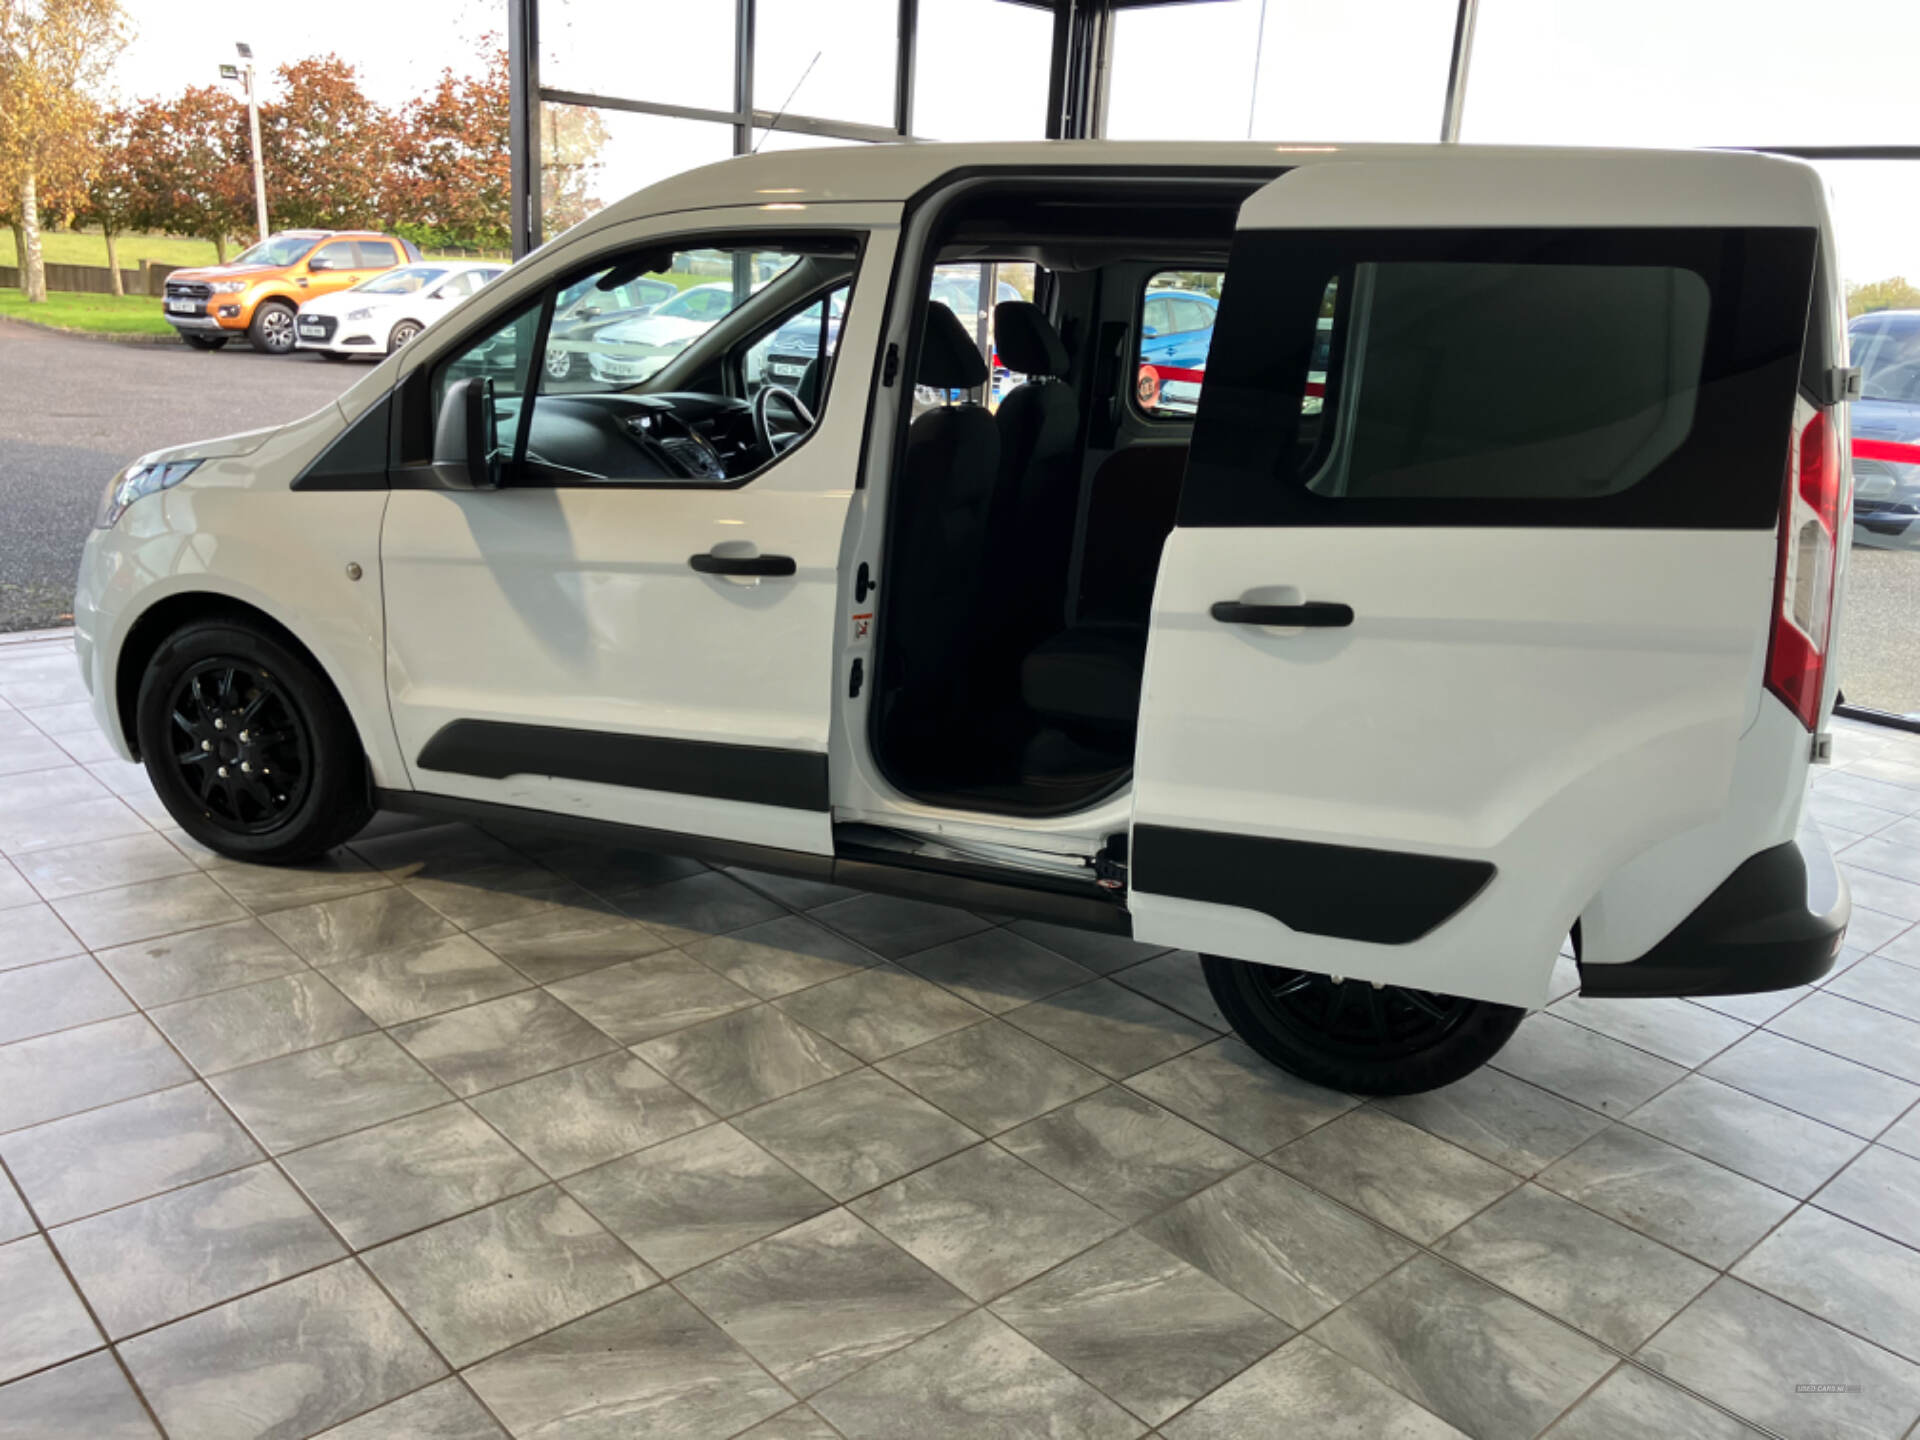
1088,677
1039,424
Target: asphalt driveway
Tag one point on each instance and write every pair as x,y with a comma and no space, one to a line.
73,411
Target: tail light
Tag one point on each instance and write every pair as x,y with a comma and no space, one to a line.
1803,583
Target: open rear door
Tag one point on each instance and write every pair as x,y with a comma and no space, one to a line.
1434,655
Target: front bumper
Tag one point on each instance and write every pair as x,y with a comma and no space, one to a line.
201,323
1775,923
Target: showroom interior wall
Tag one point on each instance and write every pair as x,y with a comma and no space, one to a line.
605,104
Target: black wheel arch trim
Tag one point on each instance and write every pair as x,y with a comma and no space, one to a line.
755,774
1385,897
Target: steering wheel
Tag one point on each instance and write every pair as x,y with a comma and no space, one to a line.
763,432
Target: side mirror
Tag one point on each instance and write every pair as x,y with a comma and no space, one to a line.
317,263
586,312
466,437
1148,332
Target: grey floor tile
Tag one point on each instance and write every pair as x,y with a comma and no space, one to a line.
1855,1032
1226,1088
493,894
1400,1175
14,889
822,1299
317,1094
262,888
1880,1190
1679,1199
1672,1029
1113,1029
1904,1134
746,1058
198,962
407,1174
1306,1392
33,933
688,909
445,1410
648,1366
1813,1083
15,1220
1849,814
894,927
977,1378
87,1397
608,870
104,817
154,1261
1748,1135
1480,1360
1580,1267
1631,1404
1755,1009
799,1423
992,1076
395,986
880,1011
652,996
1176,980
284,1362
997,969
496,1043
1124,1153
854,1133
1884,984
106,1157
67,870
1144,1326
984,1221
140,912
777,957
1102,954
73,1070
330,931
1870,930
432,850
501,1275
588,1114
1729,1346
1500,1118
555,944
43,1321
793,891
1585,1066
1882,892
231,1028
1860,1281
690,1200
23,749
38,999
1287,1248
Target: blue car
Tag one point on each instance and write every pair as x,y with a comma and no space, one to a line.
1176,332
1886,430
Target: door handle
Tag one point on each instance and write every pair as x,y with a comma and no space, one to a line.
710,564
1325,613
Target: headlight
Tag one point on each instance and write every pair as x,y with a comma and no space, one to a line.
365,312
137,480
227,287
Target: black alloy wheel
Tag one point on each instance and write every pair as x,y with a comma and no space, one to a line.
1358,1035
240,745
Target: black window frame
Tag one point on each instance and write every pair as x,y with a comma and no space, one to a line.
1726,475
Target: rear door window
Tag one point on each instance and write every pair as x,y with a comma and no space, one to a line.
376,254
1177,313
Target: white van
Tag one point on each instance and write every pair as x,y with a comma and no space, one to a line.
1370,696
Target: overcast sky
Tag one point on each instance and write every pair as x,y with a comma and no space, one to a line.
1631,72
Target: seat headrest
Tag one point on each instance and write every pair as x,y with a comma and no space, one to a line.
1026,339
949,359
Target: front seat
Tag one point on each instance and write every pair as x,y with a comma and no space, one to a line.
1039,423
938,562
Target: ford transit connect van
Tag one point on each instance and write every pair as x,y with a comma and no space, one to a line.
1516,626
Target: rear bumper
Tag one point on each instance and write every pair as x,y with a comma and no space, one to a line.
1775,923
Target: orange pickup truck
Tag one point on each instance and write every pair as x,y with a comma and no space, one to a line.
258,292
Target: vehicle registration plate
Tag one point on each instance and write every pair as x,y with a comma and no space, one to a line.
184,307
313,328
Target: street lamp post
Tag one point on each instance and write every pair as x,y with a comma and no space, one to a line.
244,72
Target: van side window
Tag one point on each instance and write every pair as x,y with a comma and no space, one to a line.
1177,311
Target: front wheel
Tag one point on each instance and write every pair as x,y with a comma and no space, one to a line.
271,330
248,746
1357,1035
559,363
402,333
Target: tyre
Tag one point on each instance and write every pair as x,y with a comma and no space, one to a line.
402,333
271,332
559,363
202,342
250,748
1355,1035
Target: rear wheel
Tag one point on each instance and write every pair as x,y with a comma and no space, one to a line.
1356,1035
559,363
271,332
402,333
202,342
248,746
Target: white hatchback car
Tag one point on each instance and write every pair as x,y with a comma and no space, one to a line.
1521,628
379,315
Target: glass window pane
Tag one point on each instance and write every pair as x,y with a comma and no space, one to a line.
1357,71
590,158
852,76
981,70
678,54
1175,334
1184,72
767,140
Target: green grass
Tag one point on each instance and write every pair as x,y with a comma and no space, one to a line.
106,314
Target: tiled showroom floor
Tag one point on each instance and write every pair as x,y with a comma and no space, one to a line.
458,1134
